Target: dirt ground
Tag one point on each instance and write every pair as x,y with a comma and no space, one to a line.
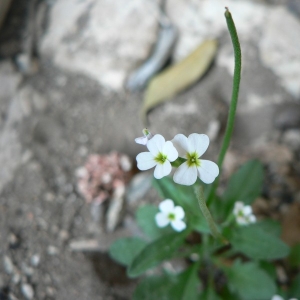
52,119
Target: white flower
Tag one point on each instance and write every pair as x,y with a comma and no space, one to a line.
160,155
277,297
192,148
243,213
143,140
170,214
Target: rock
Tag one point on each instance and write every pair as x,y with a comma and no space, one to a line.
27,291
115,208
292,138
8,265
51,250
4,6
281,55
287,116
95,38
138,187
35,260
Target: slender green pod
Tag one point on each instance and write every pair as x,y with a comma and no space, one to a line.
234,96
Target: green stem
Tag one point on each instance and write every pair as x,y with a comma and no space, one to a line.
207,215
234,97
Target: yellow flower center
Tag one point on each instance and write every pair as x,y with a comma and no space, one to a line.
160,158
193,160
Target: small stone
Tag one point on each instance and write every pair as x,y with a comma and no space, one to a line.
292,138
51,250
138,187
63,235
50,291
8,265
16,278
13,240
35,260
27,270
27,291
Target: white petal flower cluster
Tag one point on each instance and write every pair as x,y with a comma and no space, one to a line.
170,214
243,214
191,148
160,154
277,297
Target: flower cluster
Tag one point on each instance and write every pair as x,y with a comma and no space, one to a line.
161,154
169,213
102,175
243,214
277,297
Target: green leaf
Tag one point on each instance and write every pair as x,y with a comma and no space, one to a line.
145,217
294,257
250,282
180,194
295,290
186,285
180,76
182,286
124,250
270,226
245,185
269,268
210,294
256,243
157,251
199,224
154,288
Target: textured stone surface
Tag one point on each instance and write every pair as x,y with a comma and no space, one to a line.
98,38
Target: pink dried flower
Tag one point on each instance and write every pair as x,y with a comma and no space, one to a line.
102,175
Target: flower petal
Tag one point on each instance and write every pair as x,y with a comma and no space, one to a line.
238,206
166,206
247,210
181,143
145,161
178,225
141,140
162,170
156,144
208,171
161,219
179,212
185,175
198,142
170,151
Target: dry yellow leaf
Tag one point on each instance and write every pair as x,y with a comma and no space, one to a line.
179,76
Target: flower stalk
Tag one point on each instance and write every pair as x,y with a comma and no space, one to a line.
207,215
234,97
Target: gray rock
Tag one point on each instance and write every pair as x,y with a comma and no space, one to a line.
292,138
287,116
52,250
35,260
95,38
138,187
27,291
8,265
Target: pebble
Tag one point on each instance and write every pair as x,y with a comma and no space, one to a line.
27,291
8,265
16,278
35,260
13,240
51,250
292,138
